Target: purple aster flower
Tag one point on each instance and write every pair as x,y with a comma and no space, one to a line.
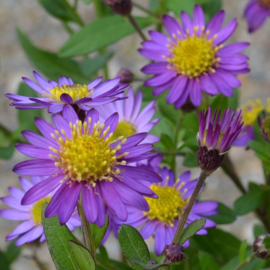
31,228
216,135
256,13
131,120
194,59
162,218
56,95
80,158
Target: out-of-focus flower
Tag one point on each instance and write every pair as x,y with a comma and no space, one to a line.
216,136
120,7
264,124
193,59
250,113
31,228
131,120
261,246
126,75
256,12
56,95
79,157
163,217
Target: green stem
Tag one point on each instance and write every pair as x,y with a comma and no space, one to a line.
98,8
247,261
169,152
136,26
86,230
67,27
145,10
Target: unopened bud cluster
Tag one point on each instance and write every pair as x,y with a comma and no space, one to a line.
261,246
174,253
120,7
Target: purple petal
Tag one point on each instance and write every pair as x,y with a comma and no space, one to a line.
42,82
196,94
70,114
55,108
152,55
94,83
37,139
66,98
158,37
155,68
198,17
148,229
187,23
160,238
89,204
111,122
30,236
177,89
33,85
22,228
233,48
160,79
207,85
25,183
226,32
215,24
34,151
172,26
13,214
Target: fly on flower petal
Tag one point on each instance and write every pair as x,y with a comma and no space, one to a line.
79,158
194,58
31,227
55,96
256,12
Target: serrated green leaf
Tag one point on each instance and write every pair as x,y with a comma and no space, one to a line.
133,245
225,215
60,9
82,256
207,262
91,66
98,233
248,202
12,252
149,267
178,6
191,229
49,63
242,251
58,238
88,39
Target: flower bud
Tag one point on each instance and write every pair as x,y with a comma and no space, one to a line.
152,262
188,106
264,124
261,246
120,7
126,75
174,252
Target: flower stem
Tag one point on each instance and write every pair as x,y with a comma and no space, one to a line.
136,26
86,230
145,10
247,261
169,152
184,217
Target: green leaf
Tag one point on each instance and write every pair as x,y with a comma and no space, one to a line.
91,66
221,245
133,245
225,215
87,1
49,63
190,160
58,238
248,202
206,262
191,229
211,8
60,9
220,102
243,251
103,254
12,252
147,266
234,100
88,39
259,230
261,148
178,6
98,233
82,256
4,264
166,140
6,152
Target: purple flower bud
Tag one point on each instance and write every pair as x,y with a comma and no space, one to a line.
120,7
126,75
261,246
264,124
174,252
216,135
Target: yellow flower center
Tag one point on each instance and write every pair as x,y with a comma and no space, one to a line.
193,55
265,3
165,208
76,91
251,111
266,126
123,129
87,157
37,210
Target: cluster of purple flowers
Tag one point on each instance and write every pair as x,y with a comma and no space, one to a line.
98,149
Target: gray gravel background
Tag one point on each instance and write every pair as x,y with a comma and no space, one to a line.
46,32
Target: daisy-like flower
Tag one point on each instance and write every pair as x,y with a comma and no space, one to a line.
194,59
256,12
163,217
80,158
31,228
250,113
56,95
216,136
131,120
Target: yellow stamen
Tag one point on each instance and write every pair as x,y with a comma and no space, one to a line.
125,129
193,55
37,210
165,208
87,156
76,91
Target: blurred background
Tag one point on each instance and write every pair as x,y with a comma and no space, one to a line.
47,32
